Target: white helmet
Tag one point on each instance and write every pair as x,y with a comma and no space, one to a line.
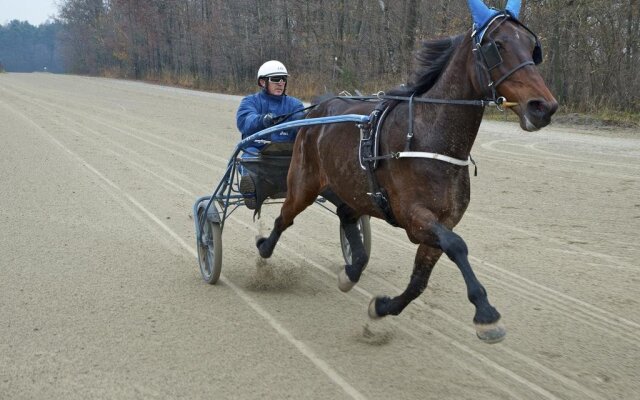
272,68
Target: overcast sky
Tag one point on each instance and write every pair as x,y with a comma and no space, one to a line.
34,11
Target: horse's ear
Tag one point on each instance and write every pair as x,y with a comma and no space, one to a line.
480,12
513,8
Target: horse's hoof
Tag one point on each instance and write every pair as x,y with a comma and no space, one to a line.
344,283
491,333
373,314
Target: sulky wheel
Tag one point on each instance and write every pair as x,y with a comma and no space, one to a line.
210,249
364,226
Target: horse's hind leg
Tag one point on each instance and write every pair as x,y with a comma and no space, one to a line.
426,258
350,275
302,192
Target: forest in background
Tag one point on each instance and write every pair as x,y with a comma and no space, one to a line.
591,48
28,48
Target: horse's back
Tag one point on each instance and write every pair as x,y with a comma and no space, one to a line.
327,139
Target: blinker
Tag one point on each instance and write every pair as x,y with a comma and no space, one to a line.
537,52
491,55
536,56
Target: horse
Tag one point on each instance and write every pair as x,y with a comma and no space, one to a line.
436,117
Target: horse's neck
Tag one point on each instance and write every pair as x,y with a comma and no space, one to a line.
453,128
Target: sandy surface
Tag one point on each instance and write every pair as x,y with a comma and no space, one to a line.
101,296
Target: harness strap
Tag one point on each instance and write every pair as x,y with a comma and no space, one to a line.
427,100
435,156
380,197
407,145
484,79
424,154
367,150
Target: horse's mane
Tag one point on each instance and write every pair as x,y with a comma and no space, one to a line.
430,60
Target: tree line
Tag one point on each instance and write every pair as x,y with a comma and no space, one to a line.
27,48
591,47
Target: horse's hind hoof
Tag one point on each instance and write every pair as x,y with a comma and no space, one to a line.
491,333
344,283
263,253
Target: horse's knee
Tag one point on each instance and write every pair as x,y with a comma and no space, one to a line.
451,243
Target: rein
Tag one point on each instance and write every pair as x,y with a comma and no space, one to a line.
499,102
281,118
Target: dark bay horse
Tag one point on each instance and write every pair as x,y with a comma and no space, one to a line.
426,197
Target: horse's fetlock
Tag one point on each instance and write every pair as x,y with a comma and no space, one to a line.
382,306
486,315
477,295
361,258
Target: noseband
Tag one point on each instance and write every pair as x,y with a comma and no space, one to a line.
488,56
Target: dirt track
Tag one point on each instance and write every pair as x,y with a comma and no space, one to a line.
100,295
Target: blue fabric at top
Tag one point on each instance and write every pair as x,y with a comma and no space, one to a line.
482,14
253,108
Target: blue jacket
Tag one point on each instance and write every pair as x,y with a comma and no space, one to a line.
254,107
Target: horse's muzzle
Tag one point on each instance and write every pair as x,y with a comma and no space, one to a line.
538,113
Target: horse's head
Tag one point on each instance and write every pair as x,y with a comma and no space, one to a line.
506,55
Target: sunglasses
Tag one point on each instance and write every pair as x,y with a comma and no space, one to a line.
277,79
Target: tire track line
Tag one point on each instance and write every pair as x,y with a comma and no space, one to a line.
110,124
524,158
535,146
562,244
552,156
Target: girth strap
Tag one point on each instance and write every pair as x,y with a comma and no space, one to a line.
423,154
368,148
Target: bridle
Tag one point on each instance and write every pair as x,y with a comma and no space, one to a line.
488,57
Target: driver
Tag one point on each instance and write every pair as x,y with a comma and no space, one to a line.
263,109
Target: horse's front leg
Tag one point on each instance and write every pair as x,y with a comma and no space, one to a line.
486,318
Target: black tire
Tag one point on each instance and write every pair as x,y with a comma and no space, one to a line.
210,249
364,226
